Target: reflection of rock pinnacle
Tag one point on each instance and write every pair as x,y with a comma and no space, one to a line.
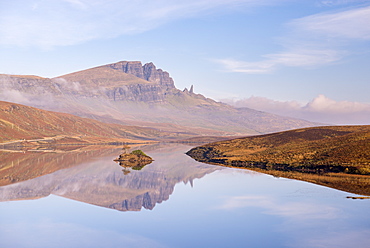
191,183
126,171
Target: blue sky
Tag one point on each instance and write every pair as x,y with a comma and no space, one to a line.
306,59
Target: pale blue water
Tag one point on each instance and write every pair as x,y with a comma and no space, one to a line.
176,202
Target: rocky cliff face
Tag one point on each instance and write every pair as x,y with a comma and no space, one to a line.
147,72
46,91
137,93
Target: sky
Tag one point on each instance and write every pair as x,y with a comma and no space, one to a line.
307,59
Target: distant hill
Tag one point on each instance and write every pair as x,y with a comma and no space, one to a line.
24,124
130,93
340,153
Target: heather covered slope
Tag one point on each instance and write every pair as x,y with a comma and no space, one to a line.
337,156
130,93
347,146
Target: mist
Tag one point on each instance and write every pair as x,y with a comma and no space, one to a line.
320,109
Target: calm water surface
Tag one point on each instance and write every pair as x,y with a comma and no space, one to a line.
173,202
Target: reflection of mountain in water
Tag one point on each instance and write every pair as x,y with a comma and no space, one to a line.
102,182
20,165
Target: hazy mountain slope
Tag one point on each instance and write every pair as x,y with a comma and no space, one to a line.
18,122
135,94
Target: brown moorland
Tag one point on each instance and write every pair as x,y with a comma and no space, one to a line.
21,125
333,156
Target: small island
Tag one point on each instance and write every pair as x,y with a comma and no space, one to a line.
136,159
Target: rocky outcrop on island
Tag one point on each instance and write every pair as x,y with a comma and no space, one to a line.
136,159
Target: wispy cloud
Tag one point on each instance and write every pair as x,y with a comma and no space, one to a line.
353,238
320,109
350,24
311,41
48,24
42,234
300,218
297,210
232,65
339,2
299,57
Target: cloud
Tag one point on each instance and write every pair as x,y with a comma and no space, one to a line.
339,2
235,202
47,24
11,91
232,65
298,57
322,104
350,24
321,109
311,41
300,220
353,238
46,233
265,104
65,85
296,210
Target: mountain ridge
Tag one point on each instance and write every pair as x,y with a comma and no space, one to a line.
129,92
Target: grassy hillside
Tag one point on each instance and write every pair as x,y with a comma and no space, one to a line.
338,152
19,122
103,76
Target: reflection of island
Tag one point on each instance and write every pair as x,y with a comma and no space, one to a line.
98,182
